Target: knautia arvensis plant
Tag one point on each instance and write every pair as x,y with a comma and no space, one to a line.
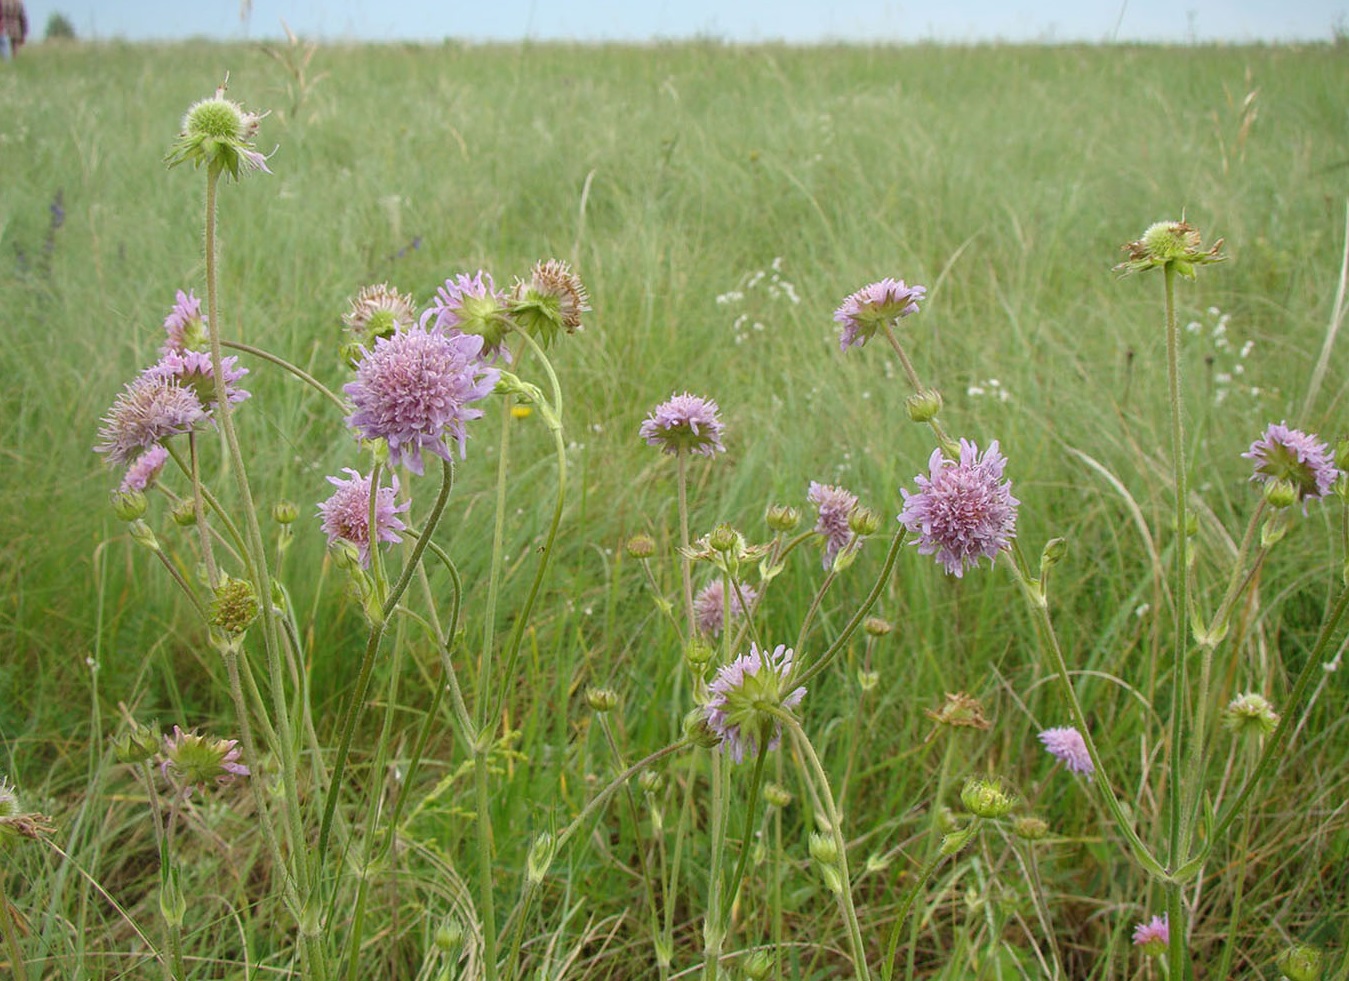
742,817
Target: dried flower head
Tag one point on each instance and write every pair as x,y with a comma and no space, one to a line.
219,133
1068,746
346,515
417,387
685,424
835,505
185,327
144,470
1291,459
191,760
960,711
742,695
964,510
873,307
1154,936
553,299
377,311
1169,243
1250,714
17,824
148,411
709,604
473,305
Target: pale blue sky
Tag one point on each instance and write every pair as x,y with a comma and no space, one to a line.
798,21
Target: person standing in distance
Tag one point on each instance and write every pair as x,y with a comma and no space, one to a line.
13,28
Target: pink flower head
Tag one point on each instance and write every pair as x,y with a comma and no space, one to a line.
965,510
738,695
415,388
709,606
1154,936
143,472
835,505
193,370
1068,746
1292,457
185,327
149,410
873,307
346,515
472,305
686,423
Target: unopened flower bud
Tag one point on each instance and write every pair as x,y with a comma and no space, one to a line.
1301,963
1250,714
877,627
601,699
651,781
234,606
697,654
641,546
1030,828
1281,493
129,505
986,798
346,556
698,732
758,965
540,857
823,848
285,512
137,744
724,538
449,937
775,795
923,406
1054,551
143,534
172,902
867,680
782,517
863,521
185,514
956,840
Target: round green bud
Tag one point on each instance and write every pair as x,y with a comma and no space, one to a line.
1030,828
863,522
641,546
986,798
724,538
137,744
601,699
129,505
449,937
1281,493
185,514
285,512
1301,963
867,680
1054,551
234,606
697,654
876,627
143,534
698,732
923,406
775,795
823,848
782,517
651,781
346,556
758,965
217,119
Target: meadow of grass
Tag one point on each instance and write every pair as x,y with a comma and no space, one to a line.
719,202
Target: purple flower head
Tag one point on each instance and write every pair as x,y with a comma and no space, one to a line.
709,606
472,305
149,410
185,327
738,694
1068,746
872,307
192,370
1154,936
686,423
835,504
1294,459
415,388
191,760
964,511
143,472
346,515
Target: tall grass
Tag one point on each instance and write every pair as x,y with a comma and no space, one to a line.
672,177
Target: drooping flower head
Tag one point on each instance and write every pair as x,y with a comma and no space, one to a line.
149,410
416,388
1299,464
709,606
1173,243
472,305
1068,746
192,760
685,424
964,510
552,299
835,505
346,515
218,132
1154,936
738,695
144,470
185,327
193,371
873,307
377,311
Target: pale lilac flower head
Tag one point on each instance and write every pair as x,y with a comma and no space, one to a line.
185,327
835,504
709,606
685,424
193,370
191,760
144,470
964,510
872,307
1068,746
149,410
346,515
1154,936
472,305
738,693
416,388
1293,458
